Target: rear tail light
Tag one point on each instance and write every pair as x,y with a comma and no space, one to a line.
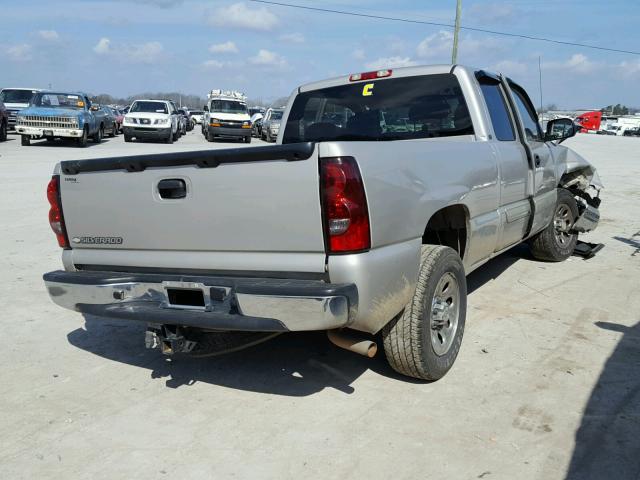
56,219
344,206
356,77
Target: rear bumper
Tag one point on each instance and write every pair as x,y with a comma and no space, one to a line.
141,132
244,304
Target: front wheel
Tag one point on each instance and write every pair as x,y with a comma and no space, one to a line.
25,140
557,242
82,141
247,139
127,138
170,138
3,131
424,340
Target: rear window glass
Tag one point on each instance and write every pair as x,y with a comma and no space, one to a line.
392,109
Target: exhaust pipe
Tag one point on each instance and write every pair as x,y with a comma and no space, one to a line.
353,341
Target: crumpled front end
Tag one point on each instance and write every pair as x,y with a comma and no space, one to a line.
581,178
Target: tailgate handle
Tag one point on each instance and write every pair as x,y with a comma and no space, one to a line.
172,188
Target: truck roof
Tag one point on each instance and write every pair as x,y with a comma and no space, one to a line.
396,73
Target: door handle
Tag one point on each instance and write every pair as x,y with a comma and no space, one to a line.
172,188
536,157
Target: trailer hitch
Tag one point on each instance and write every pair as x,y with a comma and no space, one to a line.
169,339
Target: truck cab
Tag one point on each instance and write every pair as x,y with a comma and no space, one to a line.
226,116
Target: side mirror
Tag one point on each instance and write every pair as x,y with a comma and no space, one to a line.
205,108
560,129
94,108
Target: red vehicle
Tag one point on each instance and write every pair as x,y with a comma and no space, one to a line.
589,121
119,118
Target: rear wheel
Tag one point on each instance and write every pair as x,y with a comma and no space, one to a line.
424,340
557,242
25,140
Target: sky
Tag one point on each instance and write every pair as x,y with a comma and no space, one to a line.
124,47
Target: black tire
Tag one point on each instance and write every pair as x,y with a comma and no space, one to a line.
3,131
25,140
556,242
169,138
127,138
247,139
210,137
97,137
176,135
411,339
82,141
113,131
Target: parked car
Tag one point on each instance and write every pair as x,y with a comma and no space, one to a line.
196,118
107,118
188,125
632,132
16,99
119,116
152,119
358,230
4,122
52,115
256,128
271,124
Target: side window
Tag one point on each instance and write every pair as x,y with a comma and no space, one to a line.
529,120
494,97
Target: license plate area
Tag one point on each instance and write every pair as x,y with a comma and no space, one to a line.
195,296
185,298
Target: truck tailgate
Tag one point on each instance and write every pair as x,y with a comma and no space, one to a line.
260,199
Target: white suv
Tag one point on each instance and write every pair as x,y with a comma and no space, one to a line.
151,119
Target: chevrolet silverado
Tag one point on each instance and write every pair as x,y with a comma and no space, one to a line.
383,191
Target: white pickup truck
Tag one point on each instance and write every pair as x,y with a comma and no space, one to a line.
384,190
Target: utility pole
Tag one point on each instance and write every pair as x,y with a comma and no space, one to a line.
456,31
540,79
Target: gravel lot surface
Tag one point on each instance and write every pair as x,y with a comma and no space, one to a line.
547,384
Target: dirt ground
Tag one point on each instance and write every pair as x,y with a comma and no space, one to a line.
547,384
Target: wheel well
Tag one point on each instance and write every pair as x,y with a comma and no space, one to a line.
448,227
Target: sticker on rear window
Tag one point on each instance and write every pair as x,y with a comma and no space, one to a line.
367,90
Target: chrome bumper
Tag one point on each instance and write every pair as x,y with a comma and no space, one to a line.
246,304
57,132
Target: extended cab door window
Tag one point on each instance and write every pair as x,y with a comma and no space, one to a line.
497,105
529,119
